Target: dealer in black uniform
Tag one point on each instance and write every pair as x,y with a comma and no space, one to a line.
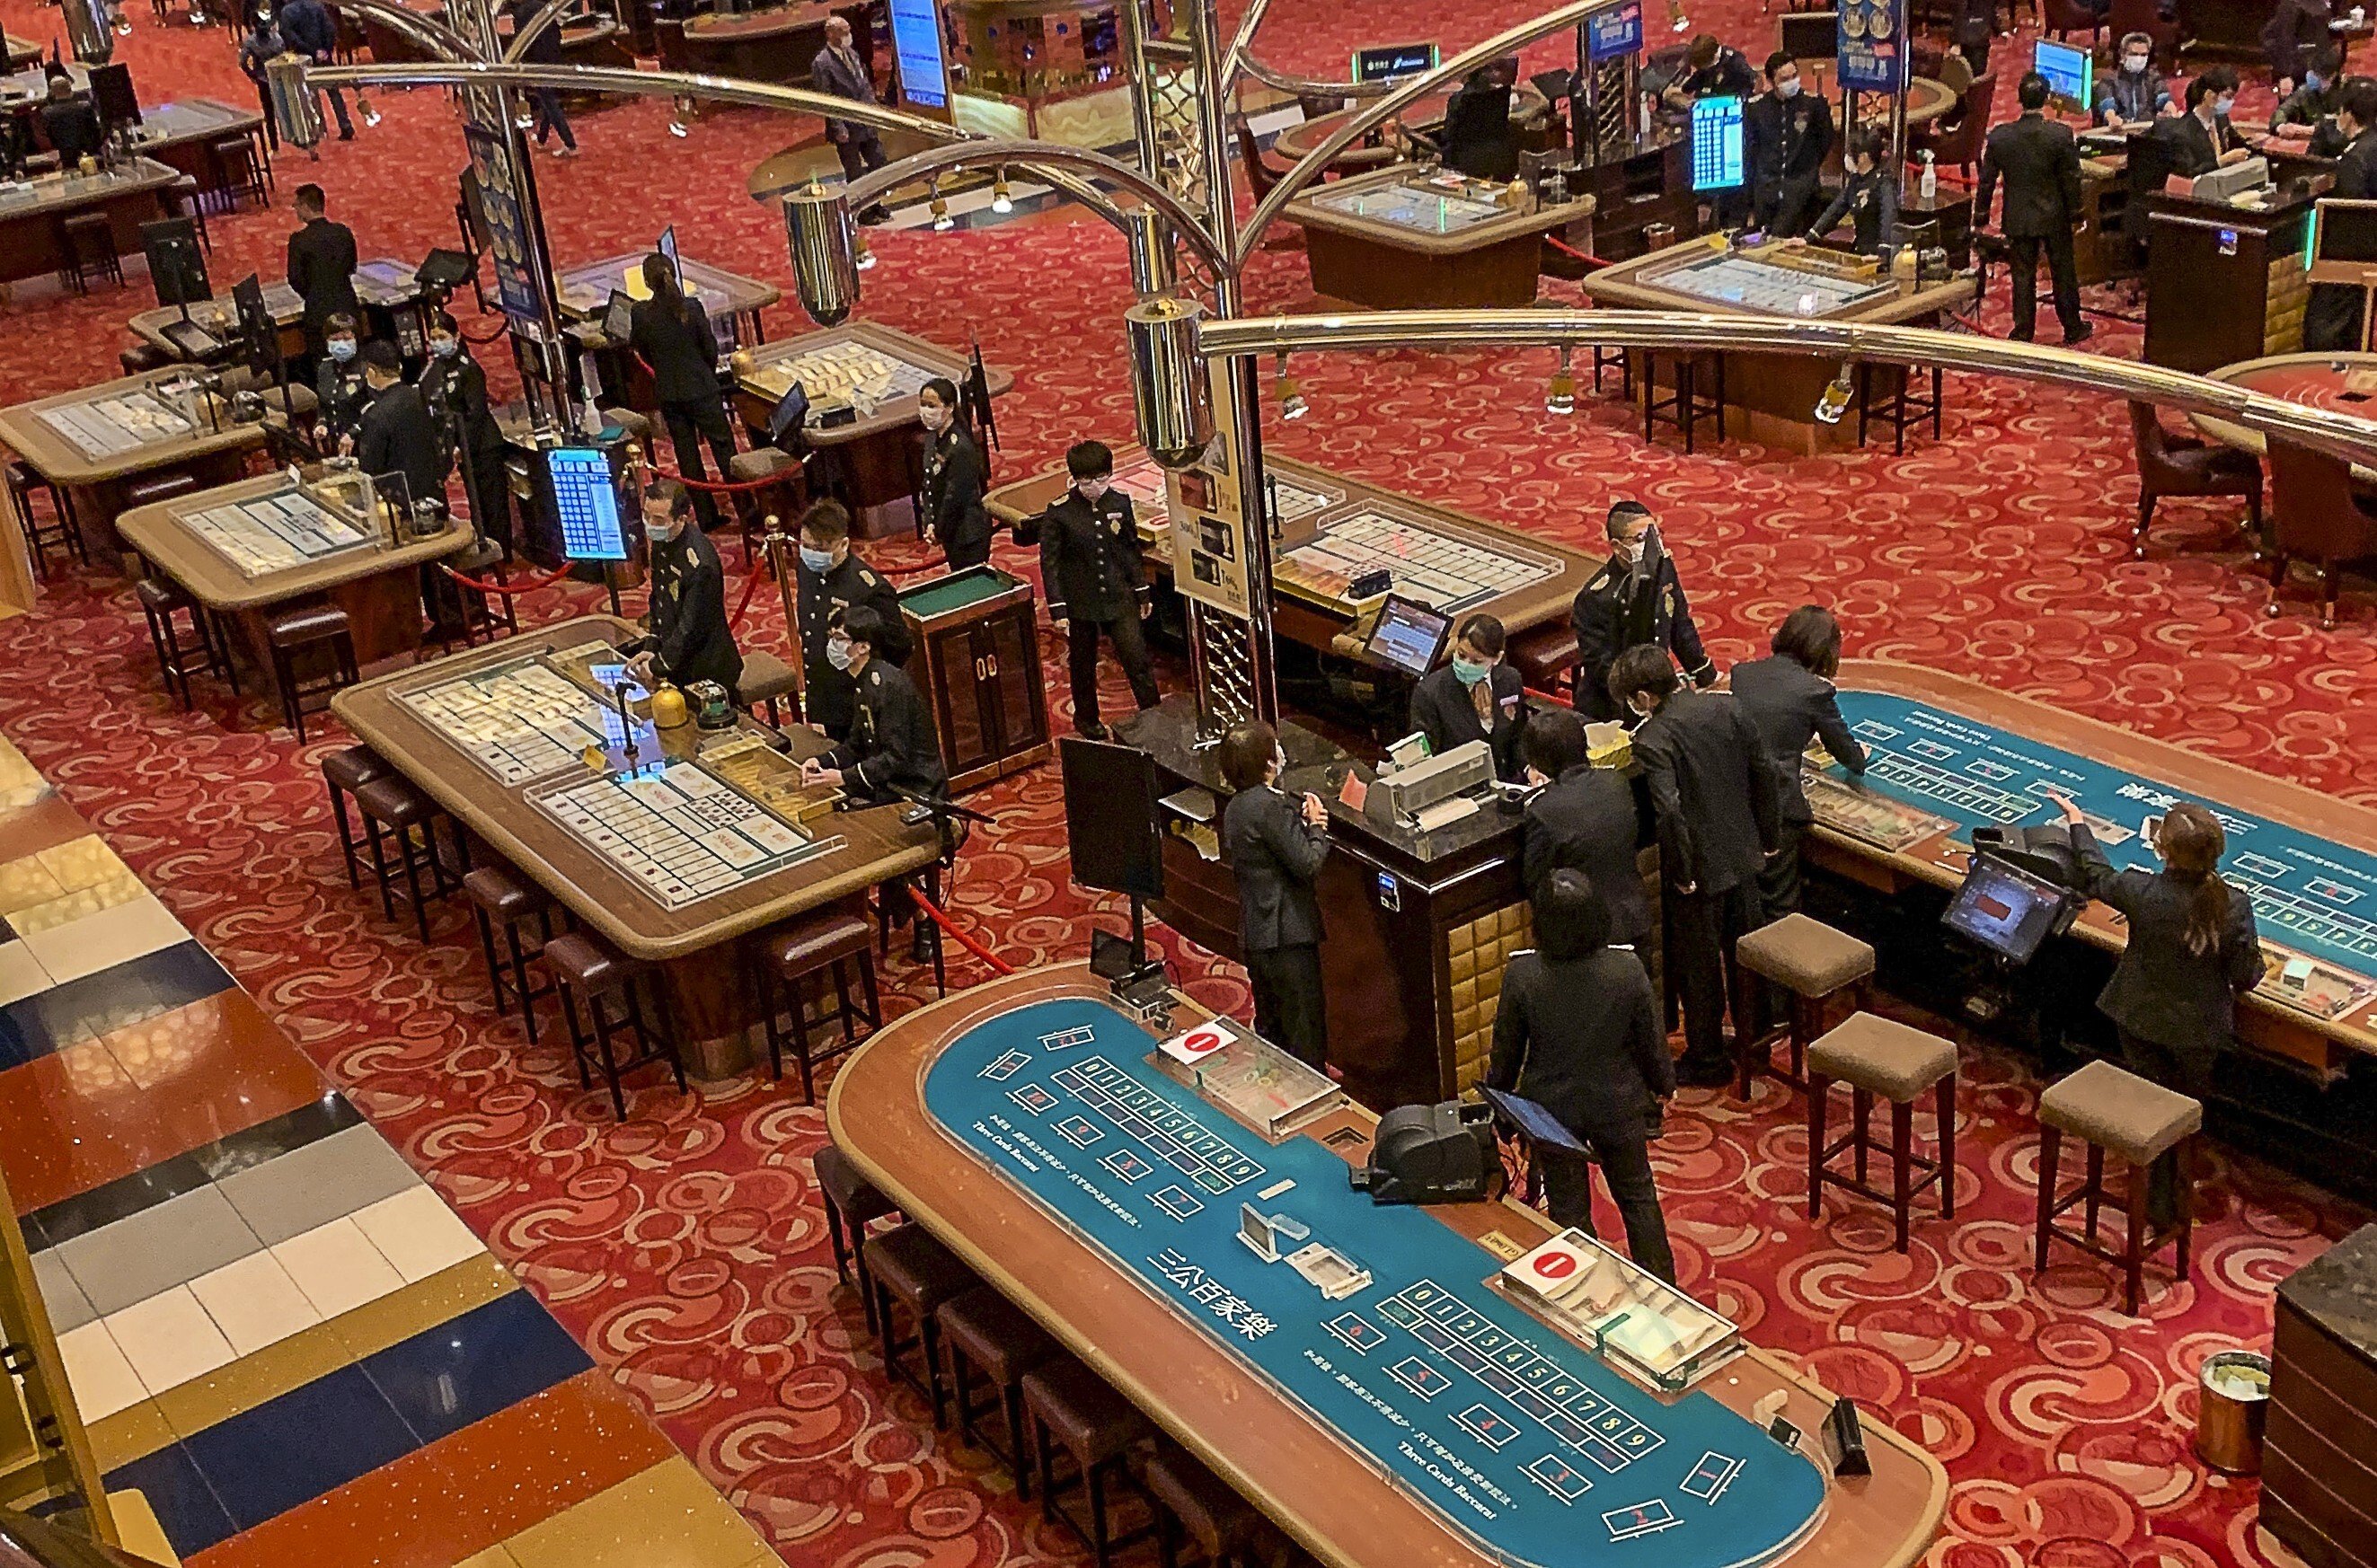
1474,696
1789,696
456,390
2333,320
338,389
892,752
322,267
1634,599
687,635
395,433
1585,818
831,579
1713,792
950,508
1090,564
1787,132
1275,845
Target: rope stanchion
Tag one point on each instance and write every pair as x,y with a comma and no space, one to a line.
1567,249
507,590
750,586
940,918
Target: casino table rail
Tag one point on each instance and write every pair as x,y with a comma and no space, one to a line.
1187,1373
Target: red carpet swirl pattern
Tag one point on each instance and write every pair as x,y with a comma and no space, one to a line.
683,1248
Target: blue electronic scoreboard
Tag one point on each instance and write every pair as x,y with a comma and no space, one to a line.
586,498
1610,35
916,42
1716,144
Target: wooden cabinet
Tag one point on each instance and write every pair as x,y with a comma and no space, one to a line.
977,661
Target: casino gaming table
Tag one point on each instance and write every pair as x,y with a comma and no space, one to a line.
1427,1420
1950,755
2340,383
1403,239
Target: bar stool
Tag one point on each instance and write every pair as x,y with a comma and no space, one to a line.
293,633
342,773
500,896
1876,1056
851,1204
87,244
23,479
1901,403
1814,963
392,806
584,965
767,680
161,602
480,611
908,1268
984,1329
821,943
1228,1529
239,170
1072,1408
183,198
1686,405
783,492
1619,360
2109,1109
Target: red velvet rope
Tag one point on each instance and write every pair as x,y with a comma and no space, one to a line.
508,590
1566,249
716,487
750,586
997,964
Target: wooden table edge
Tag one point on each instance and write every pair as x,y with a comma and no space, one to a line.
1306,211
964,1009
337,571
58,462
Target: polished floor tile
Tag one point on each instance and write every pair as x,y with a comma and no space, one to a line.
83,862
27,884
113,998
667,1517
193,1516
107,937
157,1249
104,1204
81,903
314,1184
417,1232
269,1140
61,1297
443,1380
133,1432
255,1302
169,1339
391,1319
102,1381
293,1449
337,1268
26,831
20,974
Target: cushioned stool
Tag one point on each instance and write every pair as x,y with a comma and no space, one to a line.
1875,1056
1544,657
501,897
479,610
822,943
851,1204
343,773
2109,1109
86,245
584,965
161,602
23,479
1191,1499
1072,1408
632,425
239,170
984,1330
392,806
907,1268
783,492
321,629
767,680
1814,963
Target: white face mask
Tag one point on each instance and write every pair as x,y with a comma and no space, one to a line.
935,417
2136,63
1789,87
662,528
837,652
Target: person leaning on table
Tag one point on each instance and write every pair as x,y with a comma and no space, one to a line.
1275,845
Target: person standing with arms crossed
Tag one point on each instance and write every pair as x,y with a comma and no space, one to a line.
1276,846
671,331
2040,161
949,506
1091,566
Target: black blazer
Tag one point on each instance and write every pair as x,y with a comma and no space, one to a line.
1788,137
458,387
1790,705
1440,704
1275,856
891,743
2159,990
2333,320
1609,617
690,637
322,271
955,477
2193,150
1711,790
73,130
1581,1036
832,696
396,434
829,73
546,50
2040,161
679,347
1478,141
1091,565
1589,820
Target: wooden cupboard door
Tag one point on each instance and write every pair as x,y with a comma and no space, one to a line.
1015,694
967,741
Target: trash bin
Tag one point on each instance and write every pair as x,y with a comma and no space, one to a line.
2232,1405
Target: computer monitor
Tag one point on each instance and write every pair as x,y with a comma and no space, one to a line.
2343,231
2005,908
668,249
1408,636
1532,1119
1716,144
111,95
587,499
1811,35
175,263
786,419
619,316
1391,61
2070,71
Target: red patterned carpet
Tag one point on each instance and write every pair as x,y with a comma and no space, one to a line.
683,1248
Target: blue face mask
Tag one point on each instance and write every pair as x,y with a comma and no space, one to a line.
1468,673
342,349
837,652
444,348
817,560
2312,81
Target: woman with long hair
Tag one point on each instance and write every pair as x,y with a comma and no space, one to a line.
2193,950
670,332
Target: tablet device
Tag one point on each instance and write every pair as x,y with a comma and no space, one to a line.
1408,636
619,316
791,413
2005,908
1535,1120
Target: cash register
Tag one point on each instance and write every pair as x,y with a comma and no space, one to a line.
2232,181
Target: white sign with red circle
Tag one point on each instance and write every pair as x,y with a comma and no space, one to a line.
1198,1043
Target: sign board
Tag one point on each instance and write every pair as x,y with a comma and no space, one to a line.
917,44
520,276
1209,530
1873,49
1610,35
1393,61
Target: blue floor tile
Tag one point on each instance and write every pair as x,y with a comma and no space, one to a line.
193,1516
116,998
291,1450
483,1361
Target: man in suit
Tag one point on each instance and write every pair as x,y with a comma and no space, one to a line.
2332,321
831,579
838,70
1585,818
1788,134
70,125
307,27
543,49
1091,566
1474,696
1635,598
321,267
687,635
2040,161
2202,139
2297,30
1789,697
1719,818
396,434
1275,845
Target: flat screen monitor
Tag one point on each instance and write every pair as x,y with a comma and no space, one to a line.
2005,908
1408,636
1811,35
2342,230
668,247
1532,1119
1111,832
175,264
619,316
587,500
1716,144
917,46
1387,62
111,95
786,419
2068,71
